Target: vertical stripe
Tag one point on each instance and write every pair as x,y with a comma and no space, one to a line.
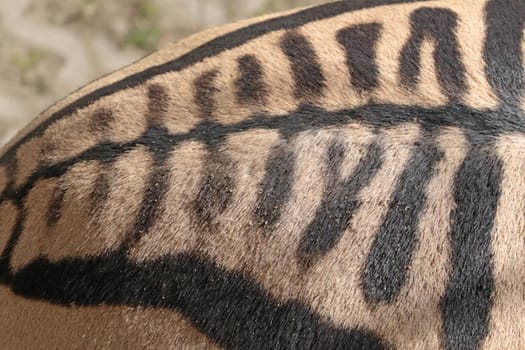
204,94
13,235
359,43
56,204
214,47
215,191
440,25
101,120
339,203
157,139
467,302
217,182
388,261
100,193
175,231
308,78
503,51
158,104
101,189
158,142
507,316
4,182
276,187
250,86
5,188
7,222
7,252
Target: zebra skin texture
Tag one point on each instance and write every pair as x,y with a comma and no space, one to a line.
346,176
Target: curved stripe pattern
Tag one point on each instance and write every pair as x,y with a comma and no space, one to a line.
440,25
231,310
490,125
209,49
182,282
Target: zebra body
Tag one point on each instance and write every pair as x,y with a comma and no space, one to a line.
348,176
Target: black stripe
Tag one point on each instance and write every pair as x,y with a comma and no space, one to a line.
101,120
157,186
56,205
250,86
204,93
479,125
233,311
308,78
468,299
277,185
387,264
101,190
213,47
503,49
158,104
339,204
359,43
216,188
7,253
440,25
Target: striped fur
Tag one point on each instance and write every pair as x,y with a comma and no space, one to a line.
344,176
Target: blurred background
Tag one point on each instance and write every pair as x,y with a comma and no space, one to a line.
49,48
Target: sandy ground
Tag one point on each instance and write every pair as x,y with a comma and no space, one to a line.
49,48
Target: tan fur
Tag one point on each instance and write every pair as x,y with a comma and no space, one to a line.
91,235
130,115
471,23
3,178
507,331
175,234
7,221
40,326
332,286
166,54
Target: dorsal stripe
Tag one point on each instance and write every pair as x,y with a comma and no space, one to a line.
209,49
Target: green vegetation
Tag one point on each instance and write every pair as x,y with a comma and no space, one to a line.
144,34
28,62
147,10
146,38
